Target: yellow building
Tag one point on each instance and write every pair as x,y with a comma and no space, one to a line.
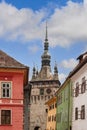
51,116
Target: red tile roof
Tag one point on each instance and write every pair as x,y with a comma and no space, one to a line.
7,61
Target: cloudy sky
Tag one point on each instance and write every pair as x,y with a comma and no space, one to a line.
22,31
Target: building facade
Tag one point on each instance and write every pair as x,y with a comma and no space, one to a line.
13,78
51,113
44,85
64,106
79,80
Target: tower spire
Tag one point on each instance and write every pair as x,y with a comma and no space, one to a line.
46,43
46,38
46,56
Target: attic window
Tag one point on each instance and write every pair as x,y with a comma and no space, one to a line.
2,60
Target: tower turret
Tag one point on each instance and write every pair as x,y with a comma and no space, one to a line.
55,71
34,73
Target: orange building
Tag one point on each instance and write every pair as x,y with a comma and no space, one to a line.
51,116
13,78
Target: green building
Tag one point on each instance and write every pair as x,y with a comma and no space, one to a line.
64,106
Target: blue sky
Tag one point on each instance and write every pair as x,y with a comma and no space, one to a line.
22,31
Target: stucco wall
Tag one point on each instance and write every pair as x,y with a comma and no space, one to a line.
79,100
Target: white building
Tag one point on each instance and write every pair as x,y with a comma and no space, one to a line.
79,82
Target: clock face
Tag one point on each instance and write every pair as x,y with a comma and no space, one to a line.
48,91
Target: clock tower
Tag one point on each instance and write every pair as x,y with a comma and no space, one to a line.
44,86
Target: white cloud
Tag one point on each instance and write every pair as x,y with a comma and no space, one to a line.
85,2
66,26
20,24
33,48
69,64
62,77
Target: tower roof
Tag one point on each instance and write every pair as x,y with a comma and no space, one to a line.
46,56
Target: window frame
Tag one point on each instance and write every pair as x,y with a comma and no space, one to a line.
5,117
77,90
6,89
83,112
83,85
41,91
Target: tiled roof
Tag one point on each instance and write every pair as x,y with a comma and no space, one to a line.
9,62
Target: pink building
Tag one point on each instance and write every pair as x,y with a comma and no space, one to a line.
13,78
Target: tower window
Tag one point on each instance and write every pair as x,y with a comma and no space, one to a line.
41,91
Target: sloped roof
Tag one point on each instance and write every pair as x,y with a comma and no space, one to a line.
7,61
79,66
81,55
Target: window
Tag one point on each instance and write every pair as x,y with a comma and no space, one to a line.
76,113
6,89
5,117
35,99
83,112
52,106
77,89
38,97
55,118
83,86
52,118
41,91
49,118
42,97
46,110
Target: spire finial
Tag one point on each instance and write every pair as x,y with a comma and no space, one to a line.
46,38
